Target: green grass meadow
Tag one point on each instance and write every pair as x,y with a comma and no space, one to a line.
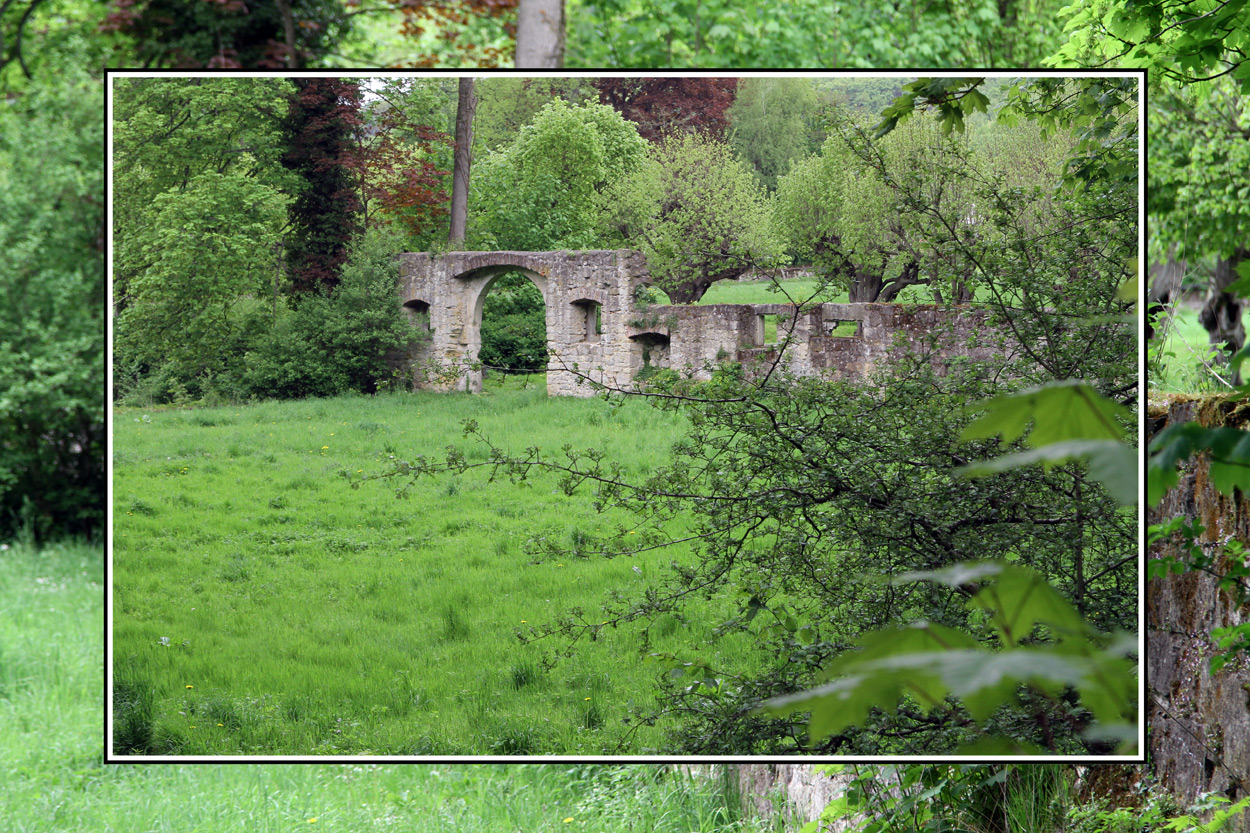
262,606
54,777
1185,364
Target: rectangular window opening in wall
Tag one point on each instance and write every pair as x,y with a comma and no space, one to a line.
418,315
841,329
590,319
767,330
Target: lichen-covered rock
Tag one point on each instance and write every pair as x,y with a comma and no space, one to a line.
797,791
1199,722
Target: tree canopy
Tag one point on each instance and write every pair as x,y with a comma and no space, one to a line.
544,190
52,233
696,212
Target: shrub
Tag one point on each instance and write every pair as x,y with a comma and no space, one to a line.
52,427
339,342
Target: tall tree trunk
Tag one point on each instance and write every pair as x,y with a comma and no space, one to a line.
288,31
540,34
464,158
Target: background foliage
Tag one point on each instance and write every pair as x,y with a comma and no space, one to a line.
52,426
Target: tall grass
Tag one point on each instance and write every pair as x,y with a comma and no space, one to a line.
53,777
1185,360
261,606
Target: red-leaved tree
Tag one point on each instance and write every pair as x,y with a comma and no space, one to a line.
400,167
663,107
321,121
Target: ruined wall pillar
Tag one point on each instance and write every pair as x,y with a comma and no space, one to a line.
1199,738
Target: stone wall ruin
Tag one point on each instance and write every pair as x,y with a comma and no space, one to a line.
1199,738
598,330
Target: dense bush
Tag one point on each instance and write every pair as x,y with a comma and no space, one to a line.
52,433
339,342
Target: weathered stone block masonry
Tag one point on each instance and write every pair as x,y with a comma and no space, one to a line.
1199,721
596,324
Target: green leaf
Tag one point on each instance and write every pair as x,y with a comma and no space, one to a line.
1114,464
1022,599
1059,411
929,662
1228,451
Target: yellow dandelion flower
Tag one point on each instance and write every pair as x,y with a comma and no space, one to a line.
190,686
569,819
312,820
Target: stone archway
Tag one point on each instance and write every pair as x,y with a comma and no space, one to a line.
478,284
589,298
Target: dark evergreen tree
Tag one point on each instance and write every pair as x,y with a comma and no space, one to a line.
324,216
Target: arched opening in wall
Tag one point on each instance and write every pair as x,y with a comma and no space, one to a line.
651,356
418,315
513,326
588,319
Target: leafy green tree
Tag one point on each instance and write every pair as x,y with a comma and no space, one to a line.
544,190
864,97
211,244
508,103
52,427
804,33
840,212
772,122
168,131
1199,164
336,342
200,204
1184,41
697,213
43,37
